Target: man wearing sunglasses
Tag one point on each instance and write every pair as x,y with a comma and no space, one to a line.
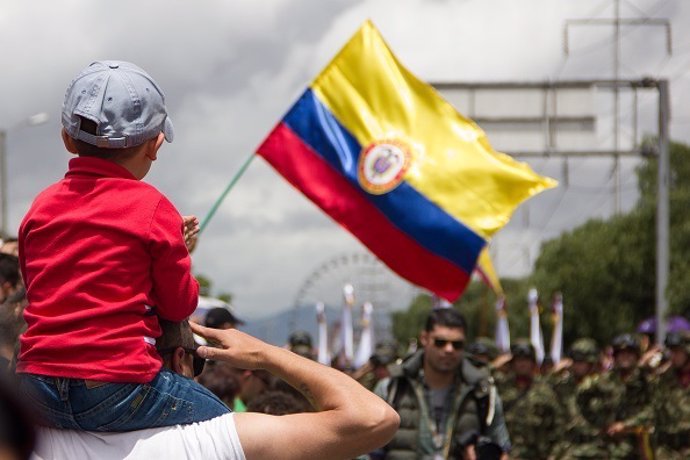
349,420
449,408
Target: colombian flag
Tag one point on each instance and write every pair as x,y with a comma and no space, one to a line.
384,155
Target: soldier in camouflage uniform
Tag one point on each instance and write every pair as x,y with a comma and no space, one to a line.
671,401
531,407
580,439
618,402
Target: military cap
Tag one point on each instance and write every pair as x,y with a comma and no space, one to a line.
523,348
678,339
584,349
626,342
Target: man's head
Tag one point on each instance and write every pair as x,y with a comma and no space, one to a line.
178,349
678,344
9,275
483,350
443,339
221,318
114,110
626,351
300,342
524,358
584,353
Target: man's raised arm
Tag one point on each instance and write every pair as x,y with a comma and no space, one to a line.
351,420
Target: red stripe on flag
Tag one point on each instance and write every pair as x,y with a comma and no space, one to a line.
314,177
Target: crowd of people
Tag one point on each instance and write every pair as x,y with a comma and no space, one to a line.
626,400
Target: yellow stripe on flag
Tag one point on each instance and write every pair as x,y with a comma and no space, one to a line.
375,98
486,266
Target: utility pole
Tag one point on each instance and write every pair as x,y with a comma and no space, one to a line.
662,216
662,213
617,23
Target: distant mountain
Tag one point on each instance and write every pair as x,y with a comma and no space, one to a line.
277,328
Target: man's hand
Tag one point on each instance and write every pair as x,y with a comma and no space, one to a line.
615,429
237,348
190,231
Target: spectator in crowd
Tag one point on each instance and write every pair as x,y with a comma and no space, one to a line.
350,420
103,256
448,407
531,407
276,402
10,281
221,318
251,384
222,380
300,342
10,246
376,368
10,328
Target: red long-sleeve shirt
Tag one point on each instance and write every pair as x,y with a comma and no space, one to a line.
102,254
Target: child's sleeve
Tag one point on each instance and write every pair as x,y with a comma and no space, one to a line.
175,290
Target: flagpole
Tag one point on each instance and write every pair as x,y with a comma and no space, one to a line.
220,199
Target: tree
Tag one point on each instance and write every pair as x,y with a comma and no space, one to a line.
606,268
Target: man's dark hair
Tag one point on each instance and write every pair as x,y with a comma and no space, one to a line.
448,317
85,149
9,269
221,380
278,402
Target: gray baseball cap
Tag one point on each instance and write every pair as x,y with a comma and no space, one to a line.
126,104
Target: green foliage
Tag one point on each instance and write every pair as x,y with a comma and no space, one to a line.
204,285
606,270
225,297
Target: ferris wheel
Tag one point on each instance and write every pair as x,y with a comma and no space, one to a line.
372,282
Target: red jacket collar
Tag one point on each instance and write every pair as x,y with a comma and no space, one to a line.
97,167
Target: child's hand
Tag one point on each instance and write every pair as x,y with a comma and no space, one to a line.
191,230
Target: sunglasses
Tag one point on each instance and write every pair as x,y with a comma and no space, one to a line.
197,361
457,344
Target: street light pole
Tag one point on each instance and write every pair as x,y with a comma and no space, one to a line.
3,186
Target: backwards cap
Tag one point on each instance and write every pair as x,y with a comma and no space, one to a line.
126,104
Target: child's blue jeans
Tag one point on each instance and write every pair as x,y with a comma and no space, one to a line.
169,399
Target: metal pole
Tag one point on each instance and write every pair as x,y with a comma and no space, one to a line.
616,107
3,186
662,214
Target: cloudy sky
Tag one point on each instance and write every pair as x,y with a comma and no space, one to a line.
230,69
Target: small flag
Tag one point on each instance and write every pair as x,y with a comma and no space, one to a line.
346,325
366,339
557,337
323,355
384,155
487,272
502,330
535,327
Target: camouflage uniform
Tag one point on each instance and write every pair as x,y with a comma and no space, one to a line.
671,403
608,398
532,414
579,439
